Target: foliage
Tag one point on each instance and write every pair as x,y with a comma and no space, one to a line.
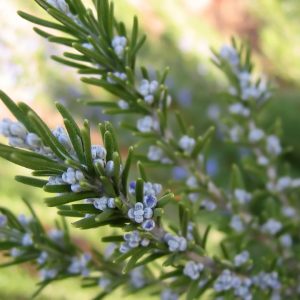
257,212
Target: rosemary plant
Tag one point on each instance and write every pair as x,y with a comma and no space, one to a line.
149,252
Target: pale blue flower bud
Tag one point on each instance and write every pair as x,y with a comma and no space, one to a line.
208,205
132,186
148,225
224,282
187,144
137,278
132,240
62,137
18,130
88,46
27,240
121,76
111,203
4,127
147,124
101,203
175,243
69,176
98,152
42,258
273,145
148,213
79,175
255,135
33,141
272,227
138,218
123,104
242,196
229,54
104,283
24,220
241,258
193,269
168,294
286,240
237,224
145,242
56,235
155,153
119,44
48,274
76,188
124,248
16,142
150,201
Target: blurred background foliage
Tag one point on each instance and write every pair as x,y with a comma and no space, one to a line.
180,34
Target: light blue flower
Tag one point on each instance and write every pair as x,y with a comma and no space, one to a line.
193,269
42,258
175,243
48,274
150,201
27,239
148,225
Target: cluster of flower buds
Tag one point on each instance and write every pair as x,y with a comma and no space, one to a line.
241,258
111,77
242,196
187,144
208,205
267,281
43,257
229,54
63,6
133,240
247,88
103,203
119,44
147,124
48,274
142,212
168,294
228,281
175,243
239,109
79,265
147,89
18,136
72,176
237,224
137,277
193,269
104,283
271,227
